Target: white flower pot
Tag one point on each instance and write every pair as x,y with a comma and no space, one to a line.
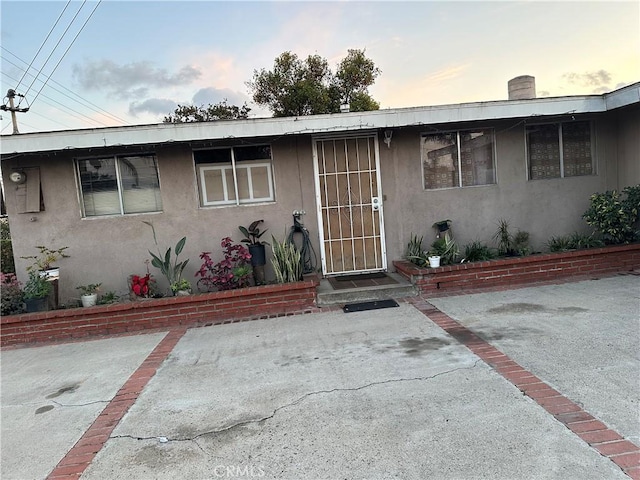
89,300
434,262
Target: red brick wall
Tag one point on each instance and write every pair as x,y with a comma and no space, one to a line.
202,309
543,268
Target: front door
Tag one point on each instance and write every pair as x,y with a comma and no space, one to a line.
349,203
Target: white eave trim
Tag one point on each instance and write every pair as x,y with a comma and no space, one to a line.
164,133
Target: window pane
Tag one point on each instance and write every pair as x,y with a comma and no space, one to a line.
543,146
476,152
140,185
576,149
243,183
213,185
260,180
259,152
215,155
440,161
99,186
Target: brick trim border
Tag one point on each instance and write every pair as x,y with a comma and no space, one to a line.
250,303
84,451
533,269
603,439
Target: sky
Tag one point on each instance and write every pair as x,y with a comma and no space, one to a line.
119,62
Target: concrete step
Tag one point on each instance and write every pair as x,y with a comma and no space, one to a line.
328,296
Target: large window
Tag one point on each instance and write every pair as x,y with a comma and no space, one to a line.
559,150
118,185
235,175
458,159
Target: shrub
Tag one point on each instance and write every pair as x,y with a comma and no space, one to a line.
511,245
7,264
286,261
446,248
12,298
415,254
575,241
614,214
477,252
232,272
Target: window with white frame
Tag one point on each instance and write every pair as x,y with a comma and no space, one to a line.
559,150
458,159
234,175
119,185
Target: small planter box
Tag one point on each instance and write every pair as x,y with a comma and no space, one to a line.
532,269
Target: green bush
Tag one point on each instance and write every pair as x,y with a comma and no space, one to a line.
7,264
477,252
511,245
614,214
12,298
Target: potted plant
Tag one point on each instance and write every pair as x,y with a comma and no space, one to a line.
89,295
36,292
256,247
181,287
43,262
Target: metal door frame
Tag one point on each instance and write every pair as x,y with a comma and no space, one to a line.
316,172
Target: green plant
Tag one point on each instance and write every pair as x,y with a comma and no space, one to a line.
477,251
11,295
286,261
508,244
581,240
446,248
171,270
107,298
559,244
415,253
37,286
89,289
45,259
181,284
7,263
253,233
614,214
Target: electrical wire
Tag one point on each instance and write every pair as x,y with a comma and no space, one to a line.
67,50
82,101
42,45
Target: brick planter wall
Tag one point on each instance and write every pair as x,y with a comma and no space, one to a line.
540,268
192,310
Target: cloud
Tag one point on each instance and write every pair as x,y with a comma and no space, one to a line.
156,106
213,95
132,79
589,79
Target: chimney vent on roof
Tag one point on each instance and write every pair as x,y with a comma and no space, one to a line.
522,87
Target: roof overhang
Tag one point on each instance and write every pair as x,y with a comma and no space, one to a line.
167,133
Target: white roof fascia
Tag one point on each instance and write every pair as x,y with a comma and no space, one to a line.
167,133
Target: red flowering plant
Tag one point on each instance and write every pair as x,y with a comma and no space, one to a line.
232,272
141,286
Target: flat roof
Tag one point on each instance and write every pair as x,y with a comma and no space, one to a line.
167,133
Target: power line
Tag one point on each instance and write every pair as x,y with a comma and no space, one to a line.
68,48
87,104
45,41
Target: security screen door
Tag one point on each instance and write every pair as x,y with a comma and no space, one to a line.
349,202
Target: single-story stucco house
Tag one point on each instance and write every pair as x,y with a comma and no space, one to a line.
366,181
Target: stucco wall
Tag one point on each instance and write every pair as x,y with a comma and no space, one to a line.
109,249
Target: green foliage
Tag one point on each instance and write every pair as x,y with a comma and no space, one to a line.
296,87
614,214
45,258
575,241
219,111
415,253
477,251
446,248
252,234
89,289
37,286
7,263
511,245
107,298
11,296
181,284
171,270
286,261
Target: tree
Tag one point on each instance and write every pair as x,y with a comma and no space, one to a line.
298,87
219,111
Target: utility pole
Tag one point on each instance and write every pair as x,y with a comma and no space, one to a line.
11,94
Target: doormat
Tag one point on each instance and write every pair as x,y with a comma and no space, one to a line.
375,305
361,281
